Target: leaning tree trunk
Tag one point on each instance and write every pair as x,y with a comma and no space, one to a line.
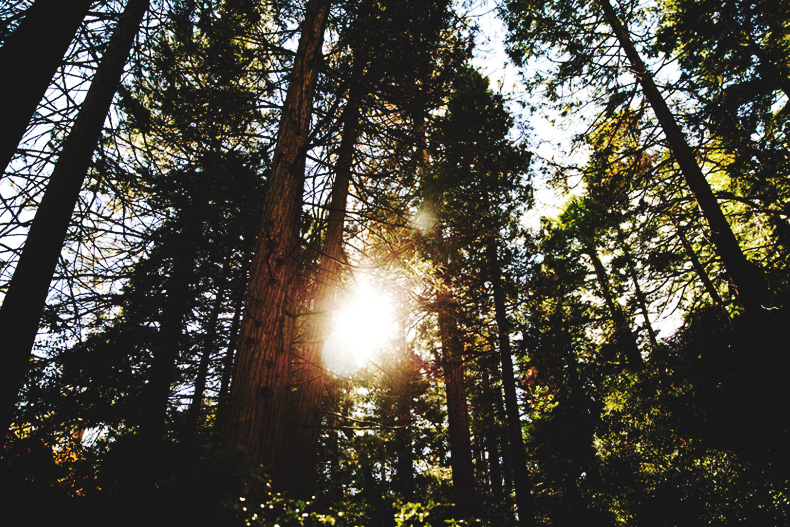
526,512
698,267
622,329
641,298
308,412
257,415
27,291
29,59
744,276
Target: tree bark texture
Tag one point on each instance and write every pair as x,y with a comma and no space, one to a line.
257,415
29,59
743,275
524,502
27,291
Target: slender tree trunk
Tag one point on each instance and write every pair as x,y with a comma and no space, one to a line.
405,376
524,502
640,295
744,276
257,415
170,339
457,409
27,291
29,59
623,329
209,348
507,460
697,265
492,436
303,437
404,470
228,361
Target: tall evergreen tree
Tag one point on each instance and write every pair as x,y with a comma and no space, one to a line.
257,413
26,295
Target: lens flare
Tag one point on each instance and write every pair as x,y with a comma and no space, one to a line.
363,324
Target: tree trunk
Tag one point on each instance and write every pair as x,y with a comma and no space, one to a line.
744,276
622,328
526,512
170,339
29,59
303,437
27,291
491,432
405,376
457,410
228,361
257,415
698,267
640,295
209,348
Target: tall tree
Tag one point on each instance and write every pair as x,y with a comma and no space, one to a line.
27,292
257,414
586,51
482,172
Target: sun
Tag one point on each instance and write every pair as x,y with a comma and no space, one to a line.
362,324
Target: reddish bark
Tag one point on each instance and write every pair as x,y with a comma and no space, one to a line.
257,414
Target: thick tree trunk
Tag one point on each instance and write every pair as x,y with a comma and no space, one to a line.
29,59
257,415
308,412
622,328
526,512
27,292
744,276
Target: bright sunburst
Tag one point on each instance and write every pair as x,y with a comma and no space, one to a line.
363,323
